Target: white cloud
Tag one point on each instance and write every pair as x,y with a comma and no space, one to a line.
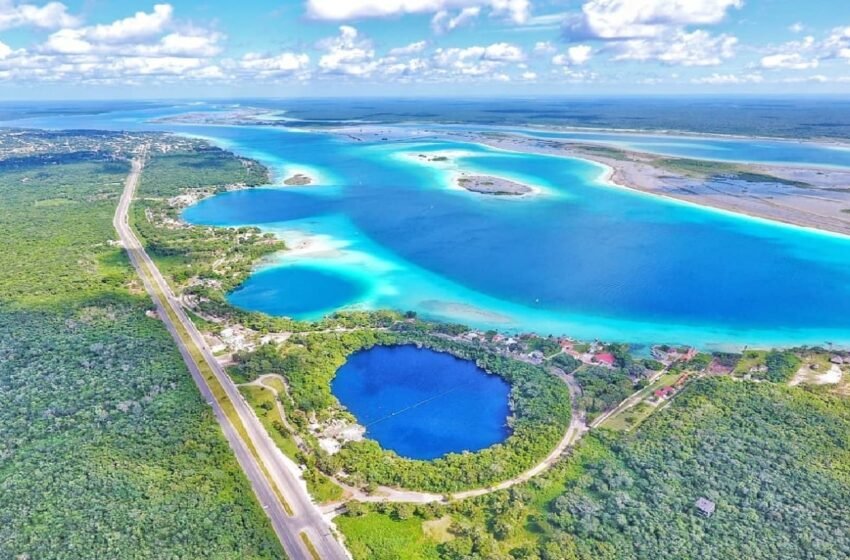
347,54
146,44
631,19
545,47
698,48
412,48
346,10
809,53
837,44
529,76
789,61
133,30
729,79
575,56
283,64
478,60
796,27
139,26
503,52
52,15
178,44
443,21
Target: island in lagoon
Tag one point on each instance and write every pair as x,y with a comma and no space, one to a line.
298,180
496,186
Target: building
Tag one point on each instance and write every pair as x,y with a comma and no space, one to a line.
664,393
605,358
705,507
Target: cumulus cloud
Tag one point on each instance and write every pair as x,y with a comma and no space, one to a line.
808,53
283,64
52,15
140,34
412,48
789,61
347,54
698,48
728,79
478,60
347,10
544,47
146,44
139,26
575,56
630,19
443,21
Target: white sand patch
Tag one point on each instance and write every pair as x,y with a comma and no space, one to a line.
831,377
811,377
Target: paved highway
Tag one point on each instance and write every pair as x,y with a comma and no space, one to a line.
306,516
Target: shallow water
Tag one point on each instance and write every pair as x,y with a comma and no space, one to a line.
383,230
423,404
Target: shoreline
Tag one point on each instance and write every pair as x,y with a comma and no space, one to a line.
761,340
640,175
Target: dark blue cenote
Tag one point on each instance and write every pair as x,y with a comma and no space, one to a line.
423,404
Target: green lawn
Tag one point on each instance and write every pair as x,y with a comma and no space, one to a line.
376,536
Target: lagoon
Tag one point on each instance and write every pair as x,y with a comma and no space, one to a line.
381,230
423,404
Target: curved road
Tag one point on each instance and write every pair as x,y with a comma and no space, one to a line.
305,518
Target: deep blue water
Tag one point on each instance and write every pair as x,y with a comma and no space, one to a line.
423,404
293,291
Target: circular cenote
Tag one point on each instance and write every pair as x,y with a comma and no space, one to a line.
423,404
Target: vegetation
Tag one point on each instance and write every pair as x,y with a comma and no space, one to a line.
218,258
773,459
539,401
602,388
381,537
106,448
705,169
781,366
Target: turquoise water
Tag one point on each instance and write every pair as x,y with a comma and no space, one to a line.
292,291
381,229
423,404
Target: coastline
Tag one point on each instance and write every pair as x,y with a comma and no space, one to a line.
478,310
640,175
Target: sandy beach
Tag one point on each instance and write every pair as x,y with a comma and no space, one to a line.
809,197
801,196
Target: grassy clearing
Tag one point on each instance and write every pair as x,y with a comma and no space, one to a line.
376,536
750,359
438,529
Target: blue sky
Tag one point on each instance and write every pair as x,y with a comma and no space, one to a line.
278,48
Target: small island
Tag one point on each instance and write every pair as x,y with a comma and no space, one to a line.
497,186
298,180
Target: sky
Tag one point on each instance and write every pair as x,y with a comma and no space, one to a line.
288,48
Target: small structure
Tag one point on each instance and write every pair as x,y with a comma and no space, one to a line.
664,392
705,507
605,358
837,360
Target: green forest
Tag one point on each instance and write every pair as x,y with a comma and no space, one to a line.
106,448
774,460
540,406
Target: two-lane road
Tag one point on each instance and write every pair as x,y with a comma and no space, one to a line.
285,475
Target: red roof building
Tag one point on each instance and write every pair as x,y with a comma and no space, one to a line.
605,358
664,392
